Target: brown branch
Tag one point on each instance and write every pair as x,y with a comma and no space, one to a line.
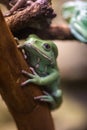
37,19
50,32
59,32
28,114
34,19
53,32
36,15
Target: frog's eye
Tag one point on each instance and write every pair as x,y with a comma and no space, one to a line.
46,46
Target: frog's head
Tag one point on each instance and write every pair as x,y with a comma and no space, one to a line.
44,49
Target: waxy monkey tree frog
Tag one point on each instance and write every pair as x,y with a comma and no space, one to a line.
41,56
76,14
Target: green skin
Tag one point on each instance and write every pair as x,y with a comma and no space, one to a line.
41,56
76,14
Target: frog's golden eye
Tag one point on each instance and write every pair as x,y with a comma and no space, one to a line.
46,46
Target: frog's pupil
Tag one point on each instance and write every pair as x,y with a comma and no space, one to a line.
47,46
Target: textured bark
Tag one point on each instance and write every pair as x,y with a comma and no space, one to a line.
27,113
39,14
37,19
18,26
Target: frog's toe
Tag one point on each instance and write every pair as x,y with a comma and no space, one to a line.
44,98
25,82
27,74
46,93
32,69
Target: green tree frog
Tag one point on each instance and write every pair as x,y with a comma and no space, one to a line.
41,56
76,14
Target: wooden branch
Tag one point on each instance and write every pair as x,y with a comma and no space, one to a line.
59,32
52,32
27,113
36,15
37,19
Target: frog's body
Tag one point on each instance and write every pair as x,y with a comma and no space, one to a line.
77,18
41,56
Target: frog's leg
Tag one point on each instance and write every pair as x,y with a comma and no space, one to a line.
36,79
47,98
54,101
58,97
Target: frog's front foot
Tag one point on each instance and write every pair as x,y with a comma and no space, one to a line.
29,75
33,78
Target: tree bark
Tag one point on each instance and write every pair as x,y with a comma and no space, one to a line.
27,113
17,25
39,14
37,19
